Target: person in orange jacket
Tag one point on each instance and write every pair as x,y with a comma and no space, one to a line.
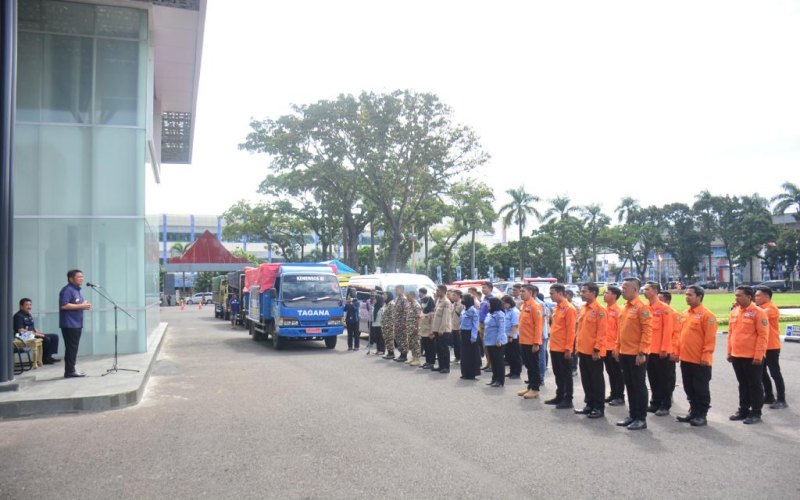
747,345
695,349
613,369
562,341
659,364
633,346
531,325
677,323
764,301
590,347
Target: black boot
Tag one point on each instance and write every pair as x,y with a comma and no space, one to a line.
389,354
401,358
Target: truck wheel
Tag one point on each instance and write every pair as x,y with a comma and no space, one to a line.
330,342
277,342
255,333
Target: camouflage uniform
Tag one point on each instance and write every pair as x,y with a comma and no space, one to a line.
414,313
387,326
400,314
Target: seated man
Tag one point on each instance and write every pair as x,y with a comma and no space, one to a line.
23,321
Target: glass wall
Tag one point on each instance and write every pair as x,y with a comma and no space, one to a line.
80,155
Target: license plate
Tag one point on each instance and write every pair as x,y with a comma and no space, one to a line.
313,330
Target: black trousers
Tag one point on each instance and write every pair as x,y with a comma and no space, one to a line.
377,338
634,377
771,363
498,366
751,385
696,380
531,361
429,346
514,357
353,335
615,381
660,374
470,356
562,371
443,350
50,346
455,339
72,339
594,384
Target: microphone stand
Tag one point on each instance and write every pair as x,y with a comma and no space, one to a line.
117,308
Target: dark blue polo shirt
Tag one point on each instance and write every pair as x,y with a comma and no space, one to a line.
23,320
70,294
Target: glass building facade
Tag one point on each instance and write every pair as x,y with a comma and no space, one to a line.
82,166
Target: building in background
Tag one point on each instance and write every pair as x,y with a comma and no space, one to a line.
106,93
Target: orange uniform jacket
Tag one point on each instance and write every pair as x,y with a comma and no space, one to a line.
698,336
612,324
592,329
749,328
773,316
531,322
662,325
562,329
634,328
677,325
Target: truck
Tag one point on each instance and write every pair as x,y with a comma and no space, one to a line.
219,295
294,302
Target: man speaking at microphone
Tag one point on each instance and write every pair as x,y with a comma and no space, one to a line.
71,305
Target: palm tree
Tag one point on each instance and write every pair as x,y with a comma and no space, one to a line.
624,209
790,197
517,212
594,219
178,249
559,211
704,208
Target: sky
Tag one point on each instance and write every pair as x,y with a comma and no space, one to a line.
595,100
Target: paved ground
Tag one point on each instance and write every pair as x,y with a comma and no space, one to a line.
224,417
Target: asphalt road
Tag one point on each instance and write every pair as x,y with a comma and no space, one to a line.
227,417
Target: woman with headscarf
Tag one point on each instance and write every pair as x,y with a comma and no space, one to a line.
470,349
376,336
495,338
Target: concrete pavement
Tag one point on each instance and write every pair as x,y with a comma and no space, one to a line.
224,417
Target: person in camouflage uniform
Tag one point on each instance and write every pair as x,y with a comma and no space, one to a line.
387,326
414,315
400,319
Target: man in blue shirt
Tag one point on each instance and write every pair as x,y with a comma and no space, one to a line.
71,305
23,322
486,289
234,310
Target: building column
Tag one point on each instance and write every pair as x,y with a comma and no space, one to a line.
8,31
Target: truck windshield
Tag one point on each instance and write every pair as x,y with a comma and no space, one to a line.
304,290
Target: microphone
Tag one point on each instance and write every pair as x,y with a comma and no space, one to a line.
92,285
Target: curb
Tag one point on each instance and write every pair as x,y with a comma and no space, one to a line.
70,406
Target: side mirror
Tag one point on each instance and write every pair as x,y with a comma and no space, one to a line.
271,293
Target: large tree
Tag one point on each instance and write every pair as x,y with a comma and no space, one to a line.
392,151
275,223
595,221
517,212
683,239
790,198
560,214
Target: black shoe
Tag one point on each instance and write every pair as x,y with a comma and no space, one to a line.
617,402
626,422
637,425
768,400
652,409
462,377
779,405
738,416
698,421
390,355
584,411
595,413
564,405
495,384
526,381
486,369
685,419
75,374
401,359
426,366
512,375
444,370
662,412
553,401
608,399
752,419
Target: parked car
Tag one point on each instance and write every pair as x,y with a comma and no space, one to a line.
776,285
205,298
